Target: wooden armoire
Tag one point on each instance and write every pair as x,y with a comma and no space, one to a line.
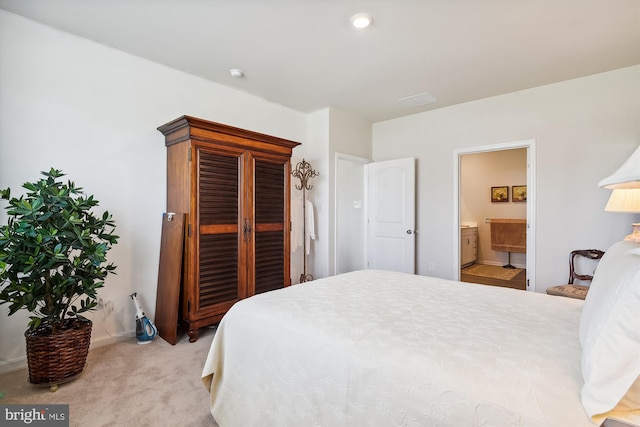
233,186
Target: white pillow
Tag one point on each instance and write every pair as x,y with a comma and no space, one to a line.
610,331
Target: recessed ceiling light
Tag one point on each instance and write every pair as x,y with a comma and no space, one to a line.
361,20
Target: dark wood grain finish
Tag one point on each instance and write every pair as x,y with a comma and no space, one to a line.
233,185
269,192
269,261
218,269
190,128
169,276
218,190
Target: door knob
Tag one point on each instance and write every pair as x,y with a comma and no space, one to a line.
409,231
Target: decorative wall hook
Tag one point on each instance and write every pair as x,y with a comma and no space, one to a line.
303,172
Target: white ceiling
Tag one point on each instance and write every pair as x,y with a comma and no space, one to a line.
303,54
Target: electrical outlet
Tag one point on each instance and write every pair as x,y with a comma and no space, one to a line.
104,303
108,307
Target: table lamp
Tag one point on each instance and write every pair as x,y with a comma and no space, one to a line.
625,183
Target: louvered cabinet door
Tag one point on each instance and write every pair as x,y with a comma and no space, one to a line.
219,203
271,219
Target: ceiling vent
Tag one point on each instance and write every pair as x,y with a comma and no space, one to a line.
417,100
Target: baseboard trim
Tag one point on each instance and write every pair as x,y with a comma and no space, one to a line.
21,362
13,365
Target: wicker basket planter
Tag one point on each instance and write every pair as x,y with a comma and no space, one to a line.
55,359
52,264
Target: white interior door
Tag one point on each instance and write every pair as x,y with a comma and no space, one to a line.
391,215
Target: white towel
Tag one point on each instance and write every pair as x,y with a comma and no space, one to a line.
310,226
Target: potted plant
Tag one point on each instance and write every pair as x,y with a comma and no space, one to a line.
52,262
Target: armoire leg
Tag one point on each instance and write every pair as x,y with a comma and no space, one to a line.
193,335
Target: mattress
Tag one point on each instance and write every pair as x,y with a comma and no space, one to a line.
380,348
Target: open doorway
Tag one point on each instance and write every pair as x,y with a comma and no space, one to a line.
495,182
374,214
350,222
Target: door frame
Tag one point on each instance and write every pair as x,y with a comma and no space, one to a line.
530,145
355,159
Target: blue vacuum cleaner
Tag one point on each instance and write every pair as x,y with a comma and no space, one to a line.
145,329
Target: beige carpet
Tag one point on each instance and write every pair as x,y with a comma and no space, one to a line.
492,271
126,384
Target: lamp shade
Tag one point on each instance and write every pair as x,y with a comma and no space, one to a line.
627,176
624,200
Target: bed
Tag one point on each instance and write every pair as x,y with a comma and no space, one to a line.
381,348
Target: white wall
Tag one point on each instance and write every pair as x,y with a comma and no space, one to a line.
478,173
92,112
330,131
348,134
316,154
584,129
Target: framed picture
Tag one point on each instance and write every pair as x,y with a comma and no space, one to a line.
499,194
519,193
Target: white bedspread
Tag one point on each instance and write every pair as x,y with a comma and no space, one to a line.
378,348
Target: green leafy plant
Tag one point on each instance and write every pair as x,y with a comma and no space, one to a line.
53,252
